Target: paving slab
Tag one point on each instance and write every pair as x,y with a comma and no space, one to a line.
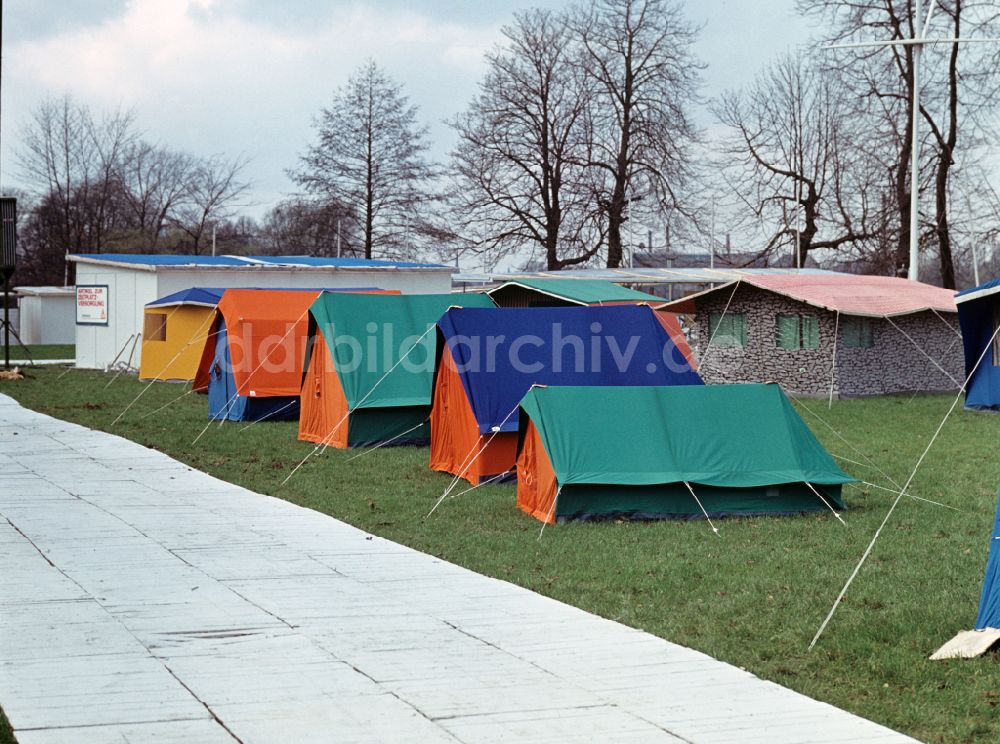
141,600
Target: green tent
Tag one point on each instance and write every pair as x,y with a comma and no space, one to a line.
743,449
370,366
558,292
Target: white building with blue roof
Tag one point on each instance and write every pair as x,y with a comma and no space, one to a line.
112,289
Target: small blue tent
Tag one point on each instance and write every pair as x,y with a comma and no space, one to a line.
490,357
989,600
252,368
204,296
224,400
979,317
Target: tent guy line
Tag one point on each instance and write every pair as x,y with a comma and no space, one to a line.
704,359
828,506
551,513
325,442
917,498
923,351
895,503
484,483
884,488
266,416
232,401
152,380
957,332
138,337
366,450
842,438
470,458
168,404
700,506
366,396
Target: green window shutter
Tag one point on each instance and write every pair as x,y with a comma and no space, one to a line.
810,332
788,332
850,331
729,330
867,333
740,328
858,333
714,332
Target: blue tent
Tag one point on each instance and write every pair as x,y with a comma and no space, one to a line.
989,601
224,402
611,345
204,296
979,317
490,357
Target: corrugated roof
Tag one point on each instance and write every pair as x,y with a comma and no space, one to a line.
44,291
152,261
583,291
649,276
850,294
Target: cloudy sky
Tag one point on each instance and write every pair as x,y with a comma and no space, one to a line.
248,76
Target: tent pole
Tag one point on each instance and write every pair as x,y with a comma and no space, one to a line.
902,492
321,447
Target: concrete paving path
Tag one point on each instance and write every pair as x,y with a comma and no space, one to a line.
141,601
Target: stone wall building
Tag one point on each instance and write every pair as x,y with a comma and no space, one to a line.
892,335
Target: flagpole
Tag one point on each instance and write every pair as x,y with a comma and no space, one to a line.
914,268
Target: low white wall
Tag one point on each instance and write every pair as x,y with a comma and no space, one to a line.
48,319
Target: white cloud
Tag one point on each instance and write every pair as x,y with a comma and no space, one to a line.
206,79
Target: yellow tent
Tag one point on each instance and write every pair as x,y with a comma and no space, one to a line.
174,331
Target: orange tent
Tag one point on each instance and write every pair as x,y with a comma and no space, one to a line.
257,352
457,446
370,368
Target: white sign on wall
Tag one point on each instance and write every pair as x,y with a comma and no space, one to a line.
92,304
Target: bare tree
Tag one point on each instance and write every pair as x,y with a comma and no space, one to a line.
963,86
794,159
520,179
72,159
369,157
300,227
212,186
154,181
638,55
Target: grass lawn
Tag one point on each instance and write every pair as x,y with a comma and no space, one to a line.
752,596
39,351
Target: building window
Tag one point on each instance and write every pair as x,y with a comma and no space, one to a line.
154,327
797,332
857,333
727,329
